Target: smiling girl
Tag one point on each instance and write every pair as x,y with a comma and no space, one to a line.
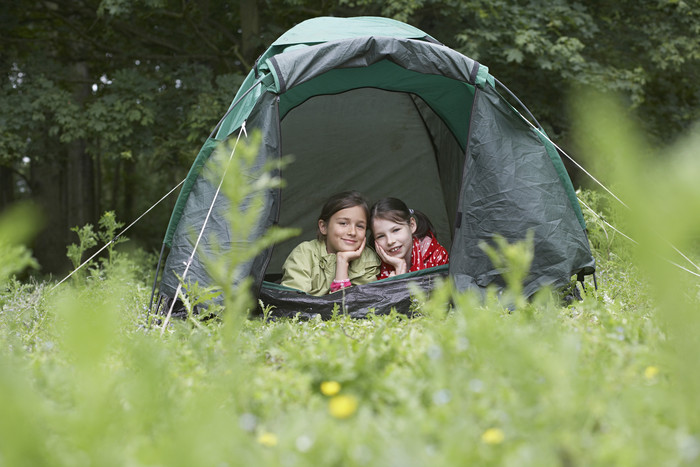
404,239
338,257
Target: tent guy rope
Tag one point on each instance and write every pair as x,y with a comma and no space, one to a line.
602,219
119,234
178,292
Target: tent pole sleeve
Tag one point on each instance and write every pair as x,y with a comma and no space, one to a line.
155,281
474,73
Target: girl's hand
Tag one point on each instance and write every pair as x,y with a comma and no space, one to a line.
343,258
349,256
399,264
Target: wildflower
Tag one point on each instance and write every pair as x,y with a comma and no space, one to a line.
304,443
493,436
650,372
342,406
442,397
248,421
330,388
267,439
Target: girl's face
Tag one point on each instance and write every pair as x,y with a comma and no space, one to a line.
345,230
396,239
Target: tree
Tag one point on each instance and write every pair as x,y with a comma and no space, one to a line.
104,103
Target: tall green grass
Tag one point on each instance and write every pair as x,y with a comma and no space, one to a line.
609,380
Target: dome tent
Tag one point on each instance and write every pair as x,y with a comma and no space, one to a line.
378,106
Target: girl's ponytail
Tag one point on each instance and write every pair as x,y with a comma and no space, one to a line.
423,225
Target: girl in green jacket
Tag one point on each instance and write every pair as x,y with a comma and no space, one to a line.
338,257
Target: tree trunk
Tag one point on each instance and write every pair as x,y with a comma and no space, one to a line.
116,185
250,28
80,197
7,187
64,186
47,184
80,186
130,188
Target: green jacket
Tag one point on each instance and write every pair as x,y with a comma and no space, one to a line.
311,269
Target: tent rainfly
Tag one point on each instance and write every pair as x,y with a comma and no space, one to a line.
376,105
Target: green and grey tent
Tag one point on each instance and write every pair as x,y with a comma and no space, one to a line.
376,105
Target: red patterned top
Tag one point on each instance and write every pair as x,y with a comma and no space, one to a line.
426,253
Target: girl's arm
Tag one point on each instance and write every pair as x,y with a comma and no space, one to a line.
297,271
342,266
368,270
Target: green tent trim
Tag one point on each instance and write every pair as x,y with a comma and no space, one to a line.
449,98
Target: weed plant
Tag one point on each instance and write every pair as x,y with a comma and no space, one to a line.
608,380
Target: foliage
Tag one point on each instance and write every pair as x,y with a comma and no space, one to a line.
87,238
480,385
135,87
513,262
608,380
17,226
108,233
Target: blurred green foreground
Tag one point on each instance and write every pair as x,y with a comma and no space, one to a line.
609,380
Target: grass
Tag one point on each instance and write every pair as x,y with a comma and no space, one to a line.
85,382
608,380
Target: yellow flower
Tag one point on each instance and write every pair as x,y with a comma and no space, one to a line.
650,372
267,439
493,436
330,388
342,406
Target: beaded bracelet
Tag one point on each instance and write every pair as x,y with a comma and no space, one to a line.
340,284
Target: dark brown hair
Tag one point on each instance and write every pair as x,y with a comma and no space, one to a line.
340,201
395,210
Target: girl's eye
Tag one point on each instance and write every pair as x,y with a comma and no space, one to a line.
396,229
379,236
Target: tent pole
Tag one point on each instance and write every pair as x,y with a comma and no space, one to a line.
510,93
233,106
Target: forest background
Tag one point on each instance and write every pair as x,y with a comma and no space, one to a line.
105,104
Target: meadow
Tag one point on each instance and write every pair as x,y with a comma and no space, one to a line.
87,379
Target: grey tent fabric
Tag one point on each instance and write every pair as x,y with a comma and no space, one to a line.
219,236
295,67
510,187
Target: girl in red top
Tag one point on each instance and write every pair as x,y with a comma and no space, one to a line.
404,239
